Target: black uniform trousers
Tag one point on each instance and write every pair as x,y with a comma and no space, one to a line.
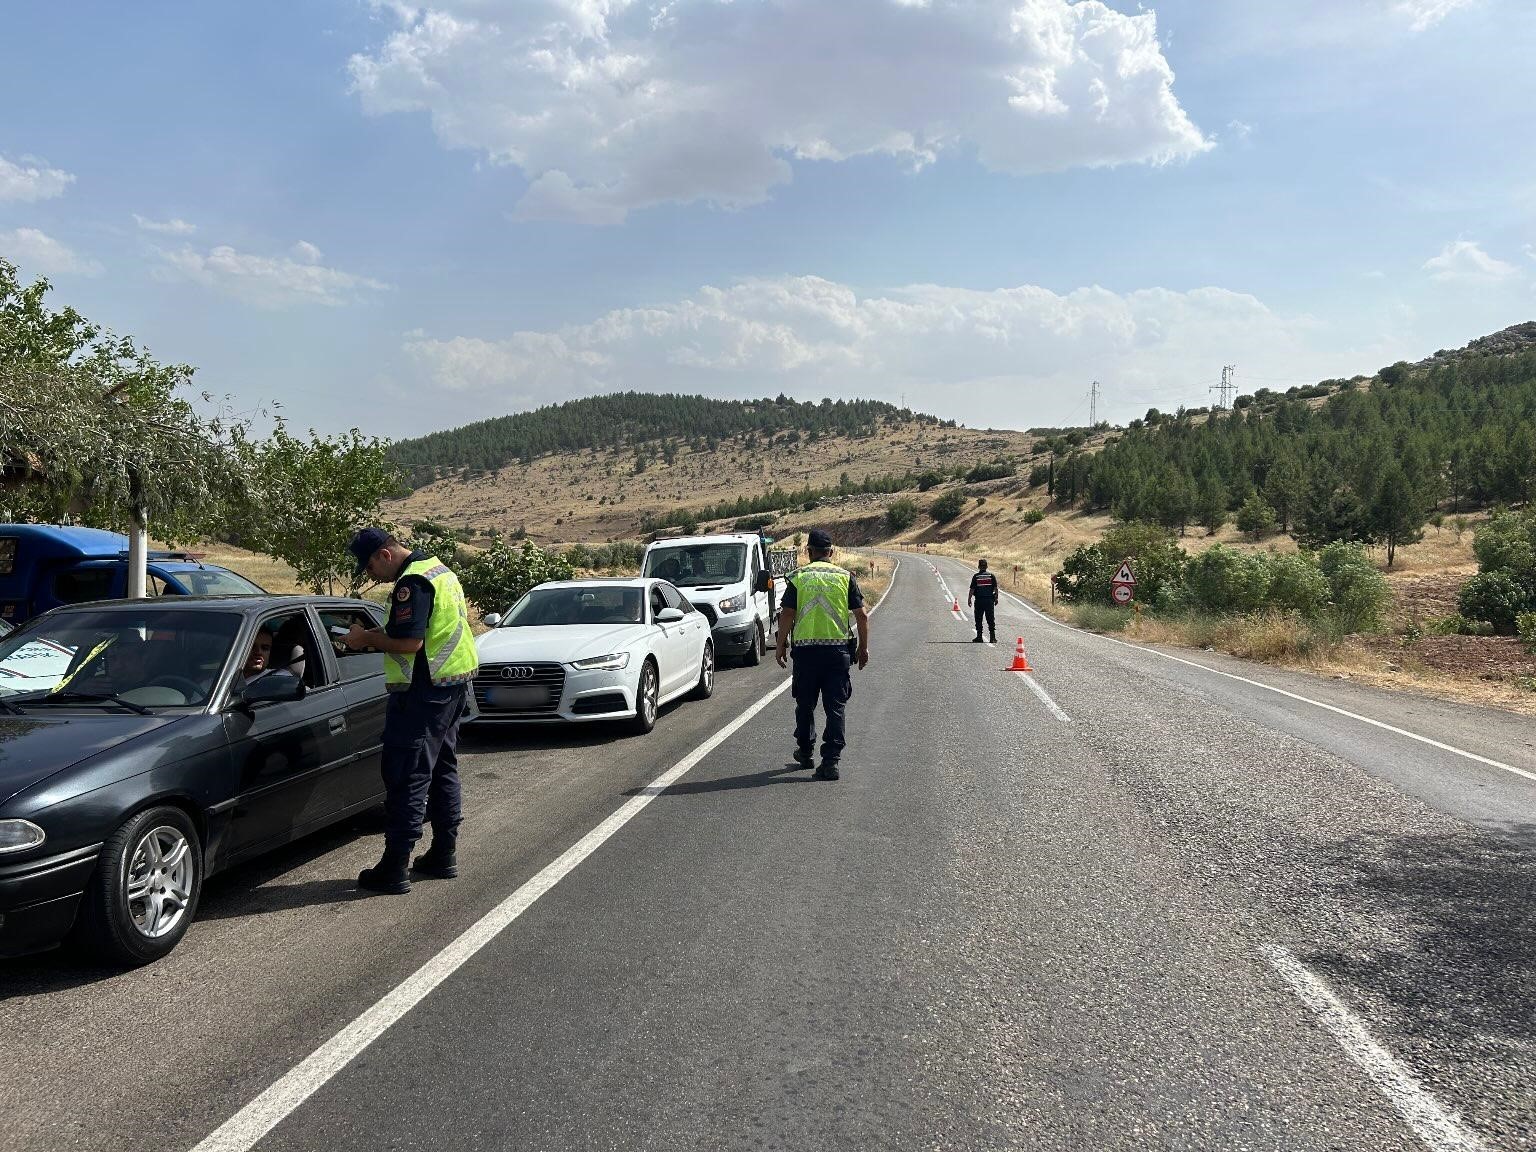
421,763
822,672
985,610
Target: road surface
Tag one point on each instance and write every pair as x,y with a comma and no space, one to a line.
1129,901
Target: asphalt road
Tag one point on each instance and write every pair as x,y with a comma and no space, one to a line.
1126,903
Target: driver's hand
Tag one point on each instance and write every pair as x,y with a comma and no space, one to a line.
356,638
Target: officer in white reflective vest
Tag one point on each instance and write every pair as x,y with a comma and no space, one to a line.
429,664
822,605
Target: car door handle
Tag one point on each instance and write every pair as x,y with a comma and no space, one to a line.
338,725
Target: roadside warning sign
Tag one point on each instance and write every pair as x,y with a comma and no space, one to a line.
1122,593
1124,576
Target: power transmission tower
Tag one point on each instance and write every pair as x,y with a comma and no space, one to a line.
1093,404
1226,388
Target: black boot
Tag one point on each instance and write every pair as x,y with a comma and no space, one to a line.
805,757
389,875
978,639
827,771
440,860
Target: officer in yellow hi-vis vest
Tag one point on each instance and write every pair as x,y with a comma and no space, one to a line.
429,663
822,605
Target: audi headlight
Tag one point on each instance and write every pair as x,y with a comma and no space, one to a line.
734,604
19,835
609,663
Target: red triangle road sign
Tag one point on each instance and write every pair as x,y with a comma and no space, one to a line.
1124,575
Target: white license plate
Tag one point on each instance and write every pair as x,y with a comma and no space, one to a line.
519,697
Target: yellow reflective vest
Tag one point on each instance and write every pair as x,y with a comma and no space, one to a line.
450,645
821,605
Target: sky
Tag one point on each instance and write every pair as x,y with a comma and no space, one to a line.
400,219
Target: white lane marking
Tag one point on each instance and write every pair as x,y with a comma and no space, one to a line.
247,1127
1451,748
1034,686
1438,1128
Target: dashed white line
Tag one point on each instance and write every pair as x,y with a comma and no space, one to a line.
1439,1129
1045,699
1451,748
247,1127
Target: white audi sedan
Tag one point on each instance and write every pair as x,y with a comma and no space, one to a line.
579,650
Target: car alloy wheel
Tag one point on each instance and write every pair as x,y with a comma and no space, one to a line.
158,882
705,688
645,698
757,647
144,892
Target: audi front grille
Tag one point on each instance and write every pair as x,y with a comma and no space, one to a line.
510,689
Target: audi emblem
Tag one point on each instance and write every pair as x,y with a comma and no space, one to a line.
517,672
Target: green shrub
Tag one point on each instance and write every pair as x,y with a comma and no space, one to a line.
498,577
1459,625
1495,597
947,506
1256,518
901,515
1034,516
1297,585
1222,580
1525,628
1155,555
1360,595
995,470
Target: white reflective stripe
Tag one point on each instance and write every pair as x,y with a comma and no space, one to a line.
434,572
450,646
401,662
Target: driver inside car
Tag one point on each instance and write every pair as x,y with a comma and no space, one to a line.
260,654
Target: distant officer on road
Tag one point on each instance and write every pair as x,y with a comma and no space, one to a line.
983,595
822,603
429,662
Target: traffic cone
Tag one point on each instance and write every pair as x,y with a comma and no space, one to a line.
956,606
1020,661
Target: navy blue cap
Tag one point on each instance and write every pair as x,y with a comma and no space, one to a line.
819,540
364,545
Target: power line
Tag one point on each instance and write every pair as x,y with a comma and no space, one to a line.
1093,404
1226,388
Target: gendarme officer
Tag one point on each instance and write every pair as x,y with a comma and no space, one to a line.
821,603
984,597
429,662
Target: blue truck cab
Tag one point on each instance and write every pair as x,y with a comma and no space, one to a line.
45,565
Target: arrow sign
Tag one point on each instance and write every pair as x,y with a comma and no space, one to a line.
1124,575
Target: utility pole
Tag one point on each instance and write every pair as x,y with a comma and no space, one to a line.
1226,388
1093,404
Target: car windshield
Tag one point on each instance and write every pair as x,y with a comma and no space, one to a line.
215,582
578,604
689,565
148,658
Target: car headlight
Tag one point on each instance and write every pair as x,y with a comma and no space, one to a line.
734,604
19,835
609,663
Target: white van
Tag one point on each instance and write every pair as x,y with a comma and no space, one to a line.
725,577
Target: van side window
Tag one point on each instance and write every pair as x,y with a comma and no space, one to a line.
77,585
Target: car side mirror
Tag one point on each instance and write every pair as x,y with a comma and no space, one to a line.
277,685
492,620
669,616
765,582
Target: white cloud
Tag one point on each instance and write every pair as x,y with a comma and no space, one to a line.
1465,261
31,180
607,106
268,281
1014,357
173,227
1422,14
35,252
1530,251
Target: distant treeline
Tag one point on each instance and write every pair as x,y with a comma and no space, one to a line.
631,419
1369,464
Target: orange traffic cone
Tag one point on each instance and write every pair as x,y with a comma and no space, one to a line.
955,607
1020,661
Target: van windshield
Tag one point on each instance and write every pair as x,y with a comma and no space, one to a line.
689,565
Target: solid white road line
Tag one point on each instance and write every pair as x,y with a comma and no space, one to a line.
1438,1128
1290,696
245,1128
1034,687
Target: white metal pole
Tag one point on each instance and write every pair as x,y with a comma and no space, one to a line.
138,556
